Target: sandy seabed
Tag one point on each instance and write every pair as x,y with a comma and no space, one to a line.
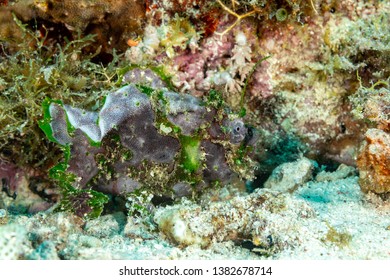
340,223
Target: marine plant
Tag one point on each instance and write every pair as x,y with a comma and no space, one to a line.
265,10
372,104
42,68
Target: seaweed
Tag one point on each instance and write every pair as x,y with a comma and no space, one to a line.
38,70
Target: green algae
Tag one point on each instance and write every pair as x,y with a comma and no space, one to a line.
191,154
40,71
86,203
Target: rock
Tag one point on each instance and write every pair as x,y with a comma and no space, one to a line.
105,226
374,162
287,177
253,217
177,228
113,22
55,227
342,172
137,229
45,251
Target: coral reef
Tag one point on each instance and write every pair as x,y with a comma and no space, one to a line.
194,126
265,56
112,22
261,56
372,105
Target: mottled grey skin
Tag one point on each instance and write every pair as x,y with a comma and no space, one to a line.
134,152
59,125
185,111
138,134
82,162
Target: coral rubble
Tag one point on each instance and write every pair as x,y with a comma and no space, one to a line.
238,219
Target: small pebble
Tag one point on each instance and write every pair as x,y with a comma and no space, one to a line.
3,217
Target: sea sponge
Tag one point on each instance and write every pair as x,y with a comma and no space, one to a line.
374,162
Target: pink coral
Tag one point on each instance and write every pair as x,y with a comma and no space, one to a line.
192,68
260,83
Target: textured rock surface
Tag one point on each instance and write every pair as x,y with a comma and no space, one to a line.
289,176
3,216
320,220
342,172
112,22
374,162
14,243
241,218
